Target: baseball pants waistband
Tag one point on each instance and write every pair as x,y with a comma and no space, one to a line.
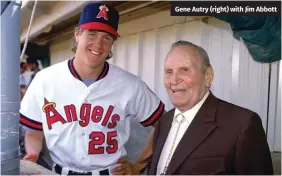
60,170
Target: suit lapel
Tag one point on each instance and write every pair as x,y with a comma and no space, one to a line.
200,128
164,130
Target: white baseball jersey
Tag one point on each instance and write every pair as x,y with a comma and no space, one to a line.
86,127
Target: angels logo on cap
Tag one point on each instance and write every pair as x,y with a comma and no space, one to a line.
103,12
98,16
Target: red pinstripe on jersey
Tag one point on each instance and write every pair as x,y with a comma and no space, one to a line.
30,123
156,114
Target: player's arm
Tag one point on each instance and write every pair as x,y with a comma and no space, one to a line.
30,118
148,109
155,110
142,163
33,144
137,168
158,109
144,159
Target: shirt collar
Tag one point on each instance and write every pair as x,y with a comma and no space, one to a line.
190,114
76,75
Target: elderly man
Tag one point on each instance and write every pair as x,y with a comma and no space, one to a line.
203,134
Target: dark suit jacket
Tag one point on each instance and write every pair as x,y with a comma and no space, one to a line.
222,139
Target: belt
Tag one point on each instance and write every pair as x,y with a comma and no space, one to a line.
58,170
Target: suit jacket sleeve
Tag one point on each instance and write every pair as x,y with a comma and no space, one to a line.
252,152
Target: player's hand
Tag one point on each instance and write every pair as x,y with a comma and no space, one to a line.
31,157
125,168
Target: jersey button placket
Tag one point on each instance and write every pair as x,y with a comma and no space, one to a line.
83,155
85,96
84,137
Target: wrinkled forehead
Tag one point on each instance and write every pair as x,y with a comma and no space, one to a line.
183,55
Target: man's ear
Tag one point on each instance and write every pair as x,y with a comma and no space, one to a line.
209,76
77,33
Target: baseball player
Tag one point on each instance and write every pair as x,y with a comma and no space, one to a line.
83,106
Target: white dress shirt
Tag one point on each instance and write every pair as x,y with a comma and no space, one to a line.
176,132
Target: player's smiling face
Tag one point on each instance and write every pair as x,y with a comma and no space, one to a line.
93,46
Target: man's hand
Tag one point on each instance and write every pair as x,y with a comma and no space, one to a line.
125,168
31,157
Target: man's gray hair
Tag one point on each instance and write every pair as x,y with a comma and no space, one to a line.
203,54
